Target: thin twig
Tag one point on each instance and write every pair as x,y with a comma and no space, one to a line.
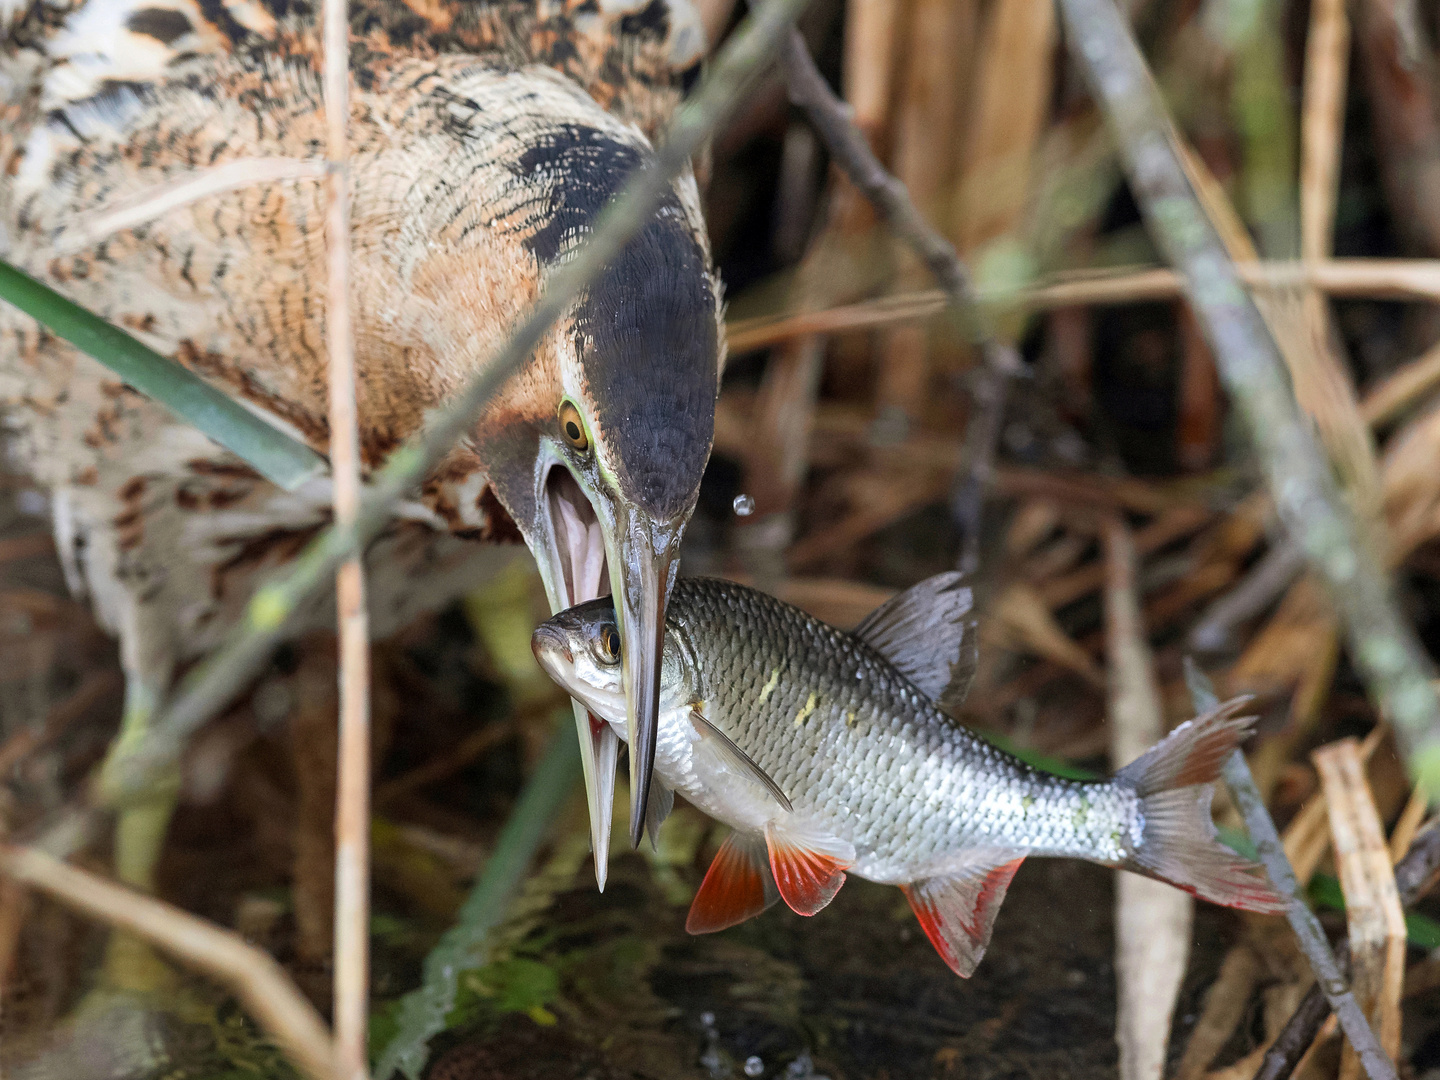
852,153
1383,645
252,975
1308,932
274,606
1373,916
1379,279
1414,874
352,812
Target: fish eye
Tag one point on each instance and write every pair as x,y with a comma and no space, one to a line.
607,644
572,427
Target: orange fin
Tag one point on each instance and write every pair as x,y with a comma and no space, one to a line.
958,912
737,886
809,870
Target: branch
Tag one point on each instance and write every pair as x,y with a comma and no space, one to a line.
1414,874
272,608
256,979
1378,279
851,151
269,451
1383,646
1308,931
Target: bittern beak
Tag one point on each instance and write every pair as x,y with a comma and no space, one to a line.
599,544
642,569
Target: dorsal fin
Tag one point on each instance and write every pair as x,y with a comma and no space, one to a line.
929,633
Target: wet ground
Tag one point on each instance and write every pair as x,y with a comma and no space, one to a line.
855,992
610,987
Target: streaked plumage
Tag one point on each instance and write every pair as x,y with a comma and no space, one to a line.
827,752
485,137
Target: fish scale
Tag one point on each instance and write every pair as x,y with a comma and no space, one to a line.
831,753
957,790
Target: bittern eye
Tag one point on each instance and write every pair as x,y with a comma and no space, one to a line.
607,645
572,427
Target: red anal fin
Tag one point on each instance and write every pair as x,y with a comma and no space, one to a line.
736,887
958,912
807,877
596,725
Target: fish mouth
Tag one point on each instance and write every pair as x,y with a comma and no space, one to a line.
552,651
579,566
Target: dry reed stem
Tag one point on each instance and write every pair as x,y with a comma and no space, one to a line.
1322,124
1011,98
1307,837
14,907
1402,388
1152,919
870,63
1408,824
352,815
1380,279
1414,874
1309,934
941,46
253,976
1373,914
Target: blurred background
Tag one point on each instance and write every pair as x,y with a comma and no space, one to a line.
853,416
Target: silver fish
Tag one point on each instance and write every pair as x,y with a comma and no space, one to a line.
830,752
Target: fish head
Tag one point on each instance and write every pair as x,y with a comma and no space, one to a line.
582,651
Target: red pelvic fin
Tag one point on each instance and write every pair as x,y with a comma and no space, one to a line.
958,912
736,887
808,873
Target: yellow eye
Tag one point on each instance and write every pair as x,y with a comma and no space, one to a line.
609,645
572,427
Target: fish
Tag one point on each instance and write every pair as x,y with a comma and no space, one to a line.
831,753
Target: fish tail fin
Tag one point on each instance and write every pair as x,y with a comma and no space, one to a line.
1178,844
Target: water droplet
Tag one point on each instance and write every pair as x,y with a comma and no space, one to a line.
754,1066
744,505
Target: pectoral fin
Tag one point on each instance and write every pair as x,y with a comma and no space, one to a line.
957,912
737,887
809,868
713,740
929,632
662,801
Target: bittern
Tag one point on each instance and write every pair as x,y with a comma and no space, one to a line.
486,136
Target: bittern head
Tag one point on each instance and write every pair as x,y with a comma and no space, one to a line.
599,449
